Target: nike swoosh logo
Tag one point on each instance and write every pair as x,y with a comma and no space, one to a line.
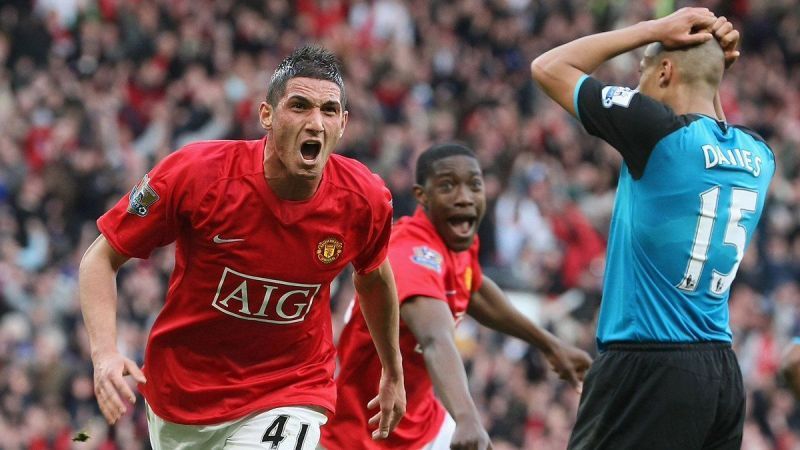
451,292
219,240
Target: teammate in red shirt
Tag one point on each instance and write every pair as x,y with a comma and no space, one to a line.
434,255
242,351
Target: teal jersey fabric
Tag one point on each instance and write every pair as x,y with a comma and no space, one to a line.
689,197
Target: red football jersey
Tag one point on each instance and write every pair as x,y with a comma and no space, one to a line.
423,266
246,323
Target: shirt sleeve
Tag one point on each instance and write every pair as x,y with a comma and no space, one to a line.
631,122
149,215
374,252
418,269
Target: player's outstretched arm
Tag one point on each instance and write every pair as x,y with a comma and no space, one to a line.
378,300
490,306
790,368
98,297
558,70
432,324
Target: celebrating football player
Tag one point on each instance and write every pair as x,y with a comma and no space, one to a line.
434,254
241,355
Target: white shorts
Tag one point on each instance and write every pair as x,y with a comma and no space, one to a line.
284,428
445,437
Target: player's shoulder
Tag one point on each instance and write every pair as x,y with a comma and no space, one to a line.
205,152
754,135
597,102
416,230
216,158
353,172
414,226
415,246
356,178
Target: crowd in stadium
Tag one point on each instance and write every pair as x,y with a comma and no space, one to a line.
93,93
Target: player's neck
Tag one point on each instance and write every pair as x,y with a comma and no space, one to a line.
691,101
285,185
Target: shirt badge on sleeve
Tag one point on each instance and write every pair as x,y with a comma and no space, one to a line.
615,95
329,249
425,257
142,197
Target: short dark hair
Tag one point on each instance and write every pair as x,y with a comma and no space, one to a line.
435,153
309,61
700,65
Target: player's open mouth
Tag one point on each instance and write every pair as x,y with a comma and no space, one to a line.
310,150
463,225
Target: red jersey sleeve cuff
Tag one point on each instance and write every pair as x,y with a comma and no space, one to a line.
374,266
432,295
112,240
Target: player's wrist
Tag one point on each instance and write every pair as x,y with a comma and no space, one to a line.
468,417
393,372
648,32
100,352
549,344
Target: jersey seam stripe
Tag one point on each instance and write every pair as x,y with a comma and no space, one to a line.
684,121
575,92
214,183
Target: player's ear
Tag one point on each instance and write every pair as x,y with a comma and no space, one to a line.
665,73
345,115
265,115
420,195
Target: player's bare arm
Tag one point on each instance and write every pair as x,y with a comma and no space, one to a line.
491,307
558,70
378,300
432,324
98,298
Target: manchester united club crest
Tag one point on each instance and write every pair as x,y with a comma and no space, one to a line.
142,197
328,250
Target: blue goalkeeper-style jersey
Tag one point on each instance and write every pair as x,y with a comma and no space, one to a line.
689,197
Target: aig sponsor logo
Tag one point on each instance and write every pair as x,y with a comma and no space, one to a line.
263,299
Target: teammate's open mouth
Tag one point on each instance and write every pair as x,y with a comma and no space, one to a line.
463,225
310,150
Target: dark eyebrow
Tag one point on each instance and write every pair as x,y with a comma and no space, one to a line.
299,98
305,100
452,173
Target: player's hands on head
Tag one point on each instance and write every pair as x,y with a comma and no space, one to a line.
569,362
470,435
684,27
110,386
391,399
728,38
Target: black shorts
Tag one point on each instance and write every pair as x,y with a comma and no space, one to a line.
661,396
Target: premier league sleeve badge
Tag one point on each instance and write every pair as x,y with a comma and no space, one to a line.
142,197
